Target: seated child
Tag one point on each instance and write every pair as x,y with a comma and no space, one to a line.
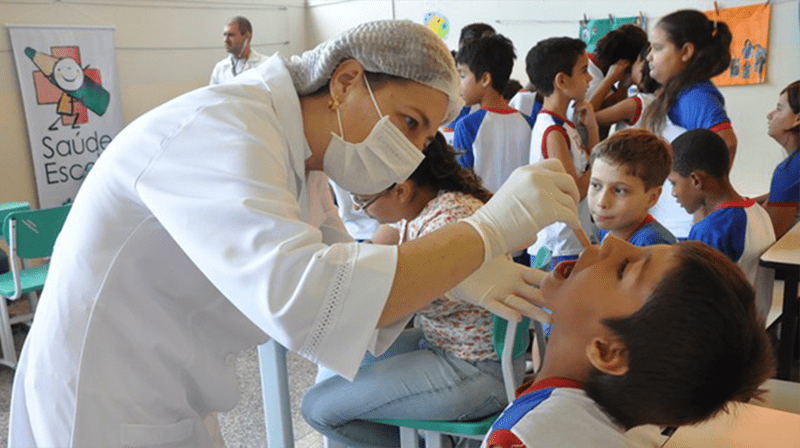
558,68
628,170
444,368
737,226
494,140
783,200
628,112
665,335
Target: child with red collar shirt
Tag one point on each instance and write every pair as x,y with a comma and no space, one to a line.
628,170
735,225
623,350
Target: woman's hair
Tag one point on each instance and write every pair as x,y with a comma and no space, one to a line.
696,345
712,56
647,83
792,92
623,43
440,170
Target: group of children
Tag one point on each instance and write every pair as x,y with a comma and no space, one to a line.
644,133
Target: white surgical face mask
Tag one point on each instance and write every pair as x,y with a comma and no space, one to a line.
385,157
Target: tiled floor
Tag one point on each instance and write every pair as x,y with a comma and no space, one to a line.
243,426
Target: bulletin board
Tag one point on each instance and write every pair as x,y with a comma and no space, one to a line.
591,30
749,46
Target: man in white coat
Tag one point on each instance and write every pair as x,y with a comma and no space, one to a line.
236,36
207,226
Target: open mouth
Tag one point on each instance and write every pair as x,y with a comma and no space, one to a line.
564,269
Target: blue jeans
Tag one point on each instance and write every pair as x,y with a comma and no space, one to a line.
413,380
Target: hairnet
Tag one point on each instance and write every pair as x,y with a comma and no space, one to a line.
395,47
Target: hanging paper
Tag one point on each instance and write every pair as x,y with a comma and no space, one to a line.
749,46
592,30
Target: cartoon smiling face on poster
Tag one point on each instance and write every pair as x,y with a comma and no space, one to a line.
438,23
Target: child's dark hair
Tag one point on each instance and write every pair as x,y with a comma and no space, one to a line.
700,150
623,43
512,87
647,84
440,170
696,345
474,31
712,56
493,54
644,155
550,57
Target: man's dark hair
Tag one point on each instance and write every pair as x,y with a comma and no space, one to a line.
492,54
700,150
243,24
696,345
642,153
550,57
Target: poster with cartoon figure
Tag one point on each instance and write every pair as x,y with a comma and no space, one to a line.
592,30
749,47
68,83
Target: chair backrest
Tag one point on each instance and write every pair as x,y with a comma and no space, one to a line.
503,333
34,231
11,207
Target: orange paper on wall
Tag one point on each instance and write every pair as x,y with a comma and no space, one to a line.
750,45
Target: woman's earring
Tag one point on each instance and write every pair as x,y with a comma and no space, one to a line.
333,103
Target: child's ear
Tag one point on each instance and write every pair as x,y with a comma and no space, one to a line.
486,80
608,354
559,82
698,179
687,51
652,196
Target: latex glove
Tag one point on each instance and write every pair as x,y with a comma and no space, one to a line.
505,288
533,197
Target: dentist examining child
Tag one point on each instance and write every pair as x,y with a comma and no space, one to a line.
207,227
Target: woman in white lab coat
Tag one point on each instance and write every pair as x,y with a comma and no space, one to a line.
207,227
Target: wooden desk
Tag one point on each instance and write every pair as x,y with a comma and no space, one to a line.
746,426
784,257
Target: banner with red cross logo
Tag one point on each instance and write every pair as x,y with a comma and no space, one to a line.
68,80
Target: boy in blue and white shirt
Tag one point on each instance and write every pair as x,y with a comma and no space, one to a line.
494,139
736,226
558,67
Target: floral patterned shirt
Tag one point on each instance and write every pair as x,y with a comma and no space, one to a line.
459,328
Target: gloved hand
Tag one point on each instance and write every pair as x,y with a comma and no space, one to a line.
505,288
533,197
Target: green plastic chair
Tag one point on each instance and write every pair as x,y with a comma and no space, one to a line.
30,234
435,430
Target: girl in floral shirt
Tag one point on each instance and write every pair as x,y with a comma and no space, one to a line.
443,369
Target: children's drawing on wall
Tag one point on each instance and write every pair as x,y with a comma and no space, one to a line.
591,30
438,23
749,47
436,17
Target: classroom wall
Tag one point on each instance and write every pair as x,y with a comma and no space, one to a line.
526,22
163,48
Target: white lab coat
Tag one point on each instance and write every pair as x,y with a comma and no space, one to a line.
197,234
